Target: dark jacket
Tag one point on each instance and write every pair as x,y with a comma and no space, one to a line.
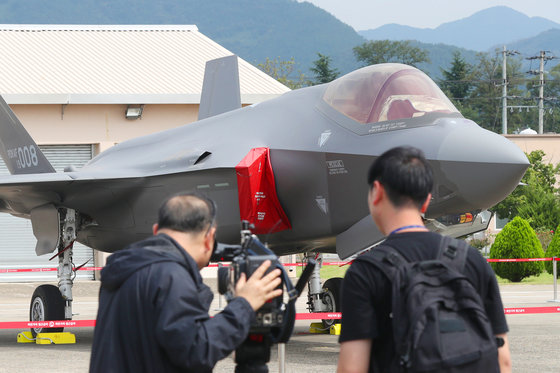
153,313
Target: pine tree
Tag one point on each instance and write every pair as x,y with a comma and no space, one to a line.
381,51
323,71
456,79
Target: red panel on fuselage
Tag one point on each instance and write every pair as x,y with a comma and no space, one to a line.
258,202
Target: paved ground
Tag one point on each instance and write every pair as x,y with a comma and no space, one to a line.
532,336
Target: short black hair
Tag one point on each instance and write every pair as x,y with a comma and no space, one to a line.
190,212
405,174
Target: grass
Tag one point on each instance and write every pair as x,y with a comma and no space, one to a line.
544,278
329,271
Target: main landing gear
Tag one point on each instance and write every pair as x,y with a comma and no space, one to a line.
48,301
325,298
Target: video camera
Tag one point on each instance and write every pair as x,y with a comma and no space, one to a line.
274,321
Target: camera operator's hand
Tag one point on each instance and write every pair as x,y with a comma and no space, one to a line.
259,289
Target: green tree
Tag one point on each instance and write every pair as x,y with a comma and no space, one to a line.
382,51
536,199
517,240
485,100
551,102
541,208
323,71
284,71
553,250
456,81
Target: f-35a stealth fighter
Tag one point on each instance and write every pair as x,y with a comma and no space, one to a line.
294,166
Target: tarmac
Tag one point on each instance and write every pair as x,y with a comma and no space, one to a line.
532,336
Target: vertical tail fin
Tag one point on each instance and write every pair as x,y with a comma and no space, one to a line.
18,150
220,89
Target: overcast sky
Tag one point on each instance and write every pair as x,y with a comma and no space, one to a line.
369,14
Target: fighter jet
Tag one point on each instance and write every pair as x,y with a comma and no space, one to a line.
294,166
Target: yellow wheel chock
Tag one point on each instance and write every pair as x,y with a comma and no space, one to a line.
47,338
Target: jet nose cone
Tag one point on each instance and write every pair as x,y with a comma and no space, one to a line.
481,167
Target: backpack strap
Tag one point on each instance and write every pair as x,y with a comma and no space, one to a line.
385,258
453,252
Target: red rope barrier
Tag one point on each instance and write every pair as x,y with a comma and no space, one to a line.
299,316
523,260
15,270
527,310
47,324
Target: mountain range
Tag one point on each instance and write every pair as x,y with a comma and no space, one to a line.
480,31
285,29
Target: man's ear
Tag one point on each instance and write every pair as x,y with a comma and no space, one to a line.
426,203
377,192
209,239
155,228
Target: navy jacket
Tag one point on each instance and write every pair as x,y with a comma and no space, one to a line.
153,313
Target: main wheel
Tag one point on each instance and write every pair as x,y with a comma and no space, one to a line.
331,298
46,304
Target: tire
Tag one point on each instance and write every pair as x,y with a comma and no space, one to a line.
46,304
331,297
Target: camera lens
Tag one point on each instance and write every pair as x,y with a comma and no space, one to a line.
223,280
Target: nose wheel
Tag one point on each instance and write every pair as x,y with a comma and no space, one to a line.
46,304
331,299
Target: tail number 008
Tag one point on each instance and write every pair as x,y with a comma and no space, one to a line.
27,156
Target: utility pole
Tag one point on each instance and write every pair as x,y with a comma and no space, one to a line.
541,92
504,91
542,57
505,53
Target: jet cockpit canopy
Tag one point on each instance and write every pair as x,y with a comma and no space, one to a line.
386,92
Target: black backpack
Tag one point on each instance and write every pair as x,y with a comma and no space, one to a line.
438,319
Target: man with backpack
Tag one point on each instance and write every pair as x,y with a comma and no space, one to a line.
418,301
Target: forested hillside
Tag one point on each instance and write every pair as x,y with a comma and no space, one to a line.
286,29
253,29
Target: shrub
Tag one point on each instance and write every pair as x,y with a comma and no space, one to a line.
480,243
553,250
517,240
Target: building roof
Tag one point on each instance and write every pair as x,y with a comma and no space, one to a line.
99,64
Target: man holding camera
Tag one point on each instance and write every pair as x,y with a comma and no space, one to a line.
153,306
400,184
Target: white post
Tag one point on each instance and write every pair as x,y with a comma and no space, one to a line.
281,357
554,274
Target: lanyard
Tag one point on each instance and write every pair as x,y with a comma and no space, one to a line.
406,227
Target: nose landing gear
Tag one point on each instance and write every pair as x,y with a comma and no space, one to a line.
48,301
324,298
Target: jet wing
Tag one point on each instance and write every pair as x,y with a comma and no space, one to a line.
101,202
19,194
